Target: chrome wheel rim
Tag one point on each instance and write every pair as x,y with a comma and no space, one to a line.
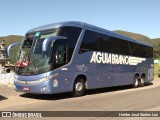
142,81
79,87
136,82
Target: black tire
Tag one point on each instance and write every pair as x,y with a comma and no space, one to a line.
8,70
142,82
136,82
78,87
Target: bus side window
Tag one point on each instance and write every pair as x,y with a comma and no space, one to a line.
60,55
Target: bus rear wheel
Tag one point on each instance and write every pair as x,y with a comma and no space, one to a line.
141,82
136,82
78,88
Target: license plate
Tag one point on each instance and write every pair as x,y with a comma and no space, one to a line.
26,89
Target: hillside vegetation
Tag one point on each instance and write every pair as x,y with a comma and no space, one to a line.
9,40
139,37
135,36
155,42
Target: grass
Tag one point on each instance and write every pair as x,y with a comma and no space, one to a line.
156,68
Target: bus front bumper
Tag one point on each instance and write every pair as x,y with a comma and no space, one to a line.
33,87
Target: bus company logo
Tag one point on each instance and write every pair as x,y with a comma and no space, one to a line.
108,58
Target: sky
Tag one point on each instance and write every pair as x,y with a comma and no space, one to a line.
138,16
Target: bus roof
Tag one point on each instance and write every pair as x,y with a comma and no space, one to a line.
82,24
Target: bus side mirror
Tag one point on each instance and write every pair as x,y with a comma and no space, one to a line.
50,40
10,46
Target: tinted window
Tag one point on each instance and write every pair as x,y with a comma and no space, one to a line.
141,50
60,56
72,34
119,46
149,51
93,41
88,43
60,52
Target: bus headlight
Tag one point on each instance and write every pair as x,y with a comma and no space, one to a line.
43,88
45,79
48,78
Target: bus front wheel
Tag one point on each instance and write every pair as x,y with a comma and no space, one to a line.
78,88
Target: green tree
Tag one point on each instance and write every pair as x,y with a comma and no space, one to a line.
157,51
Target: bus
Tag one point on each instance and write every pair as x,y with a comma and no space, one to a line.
75,56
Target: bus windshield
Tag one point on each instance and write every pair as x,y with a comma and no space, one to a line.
32,60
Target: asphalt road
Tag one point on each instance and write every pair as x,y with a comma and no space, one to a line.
123,98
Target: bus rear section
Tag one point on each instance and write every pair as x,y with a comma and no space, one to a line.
114,60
